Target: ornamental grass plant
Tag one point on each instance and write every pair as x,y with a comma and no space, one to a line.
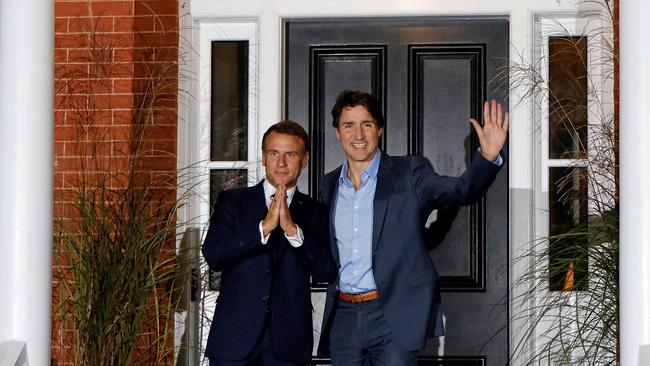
571,300
116,271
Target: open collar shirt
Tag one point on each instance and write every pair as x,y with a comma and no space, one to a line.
353,223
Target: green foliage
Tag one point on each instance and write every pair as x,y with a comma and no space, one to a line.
577,322
115,244
575,327
113,264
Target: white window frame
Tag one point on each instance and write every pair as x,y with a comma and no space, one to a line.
562,26
210,30
569,25
599,101
225,30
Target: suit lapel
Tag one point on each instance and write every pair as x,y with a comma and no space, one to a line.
258,202
296,208
330,190
385,182
256,207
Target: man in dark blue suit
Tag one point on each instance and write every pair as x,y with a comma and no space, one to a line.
386,299
266,240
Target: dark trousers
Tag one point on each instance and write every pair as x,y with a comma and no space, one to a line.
262,355
360,336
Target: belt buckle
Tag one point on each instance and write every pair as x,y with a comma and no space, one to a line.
354,296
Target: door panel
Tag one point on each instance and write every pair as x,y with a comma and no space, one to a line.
334,69
431,75
445,93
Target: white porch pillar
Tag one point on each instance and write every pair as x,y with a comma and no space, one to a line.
635,181
26,181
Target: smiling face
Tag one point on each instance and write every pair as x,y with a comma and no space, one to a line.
284,157
359,135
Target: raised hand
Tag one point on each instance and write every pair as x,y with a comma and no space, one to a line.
272,216
494,132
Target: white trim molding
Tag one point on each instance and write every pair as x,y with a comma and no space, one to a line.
634,265
269,16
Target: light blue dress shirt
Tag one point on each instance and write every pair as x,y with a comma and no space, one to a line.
353,228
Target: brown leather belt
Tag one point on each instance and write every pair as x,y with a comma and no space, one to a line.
355,298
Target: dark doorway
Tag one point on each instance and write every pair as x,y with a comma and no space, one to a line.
432,75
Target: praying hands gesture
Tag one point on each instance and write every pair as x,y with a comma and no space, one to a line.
279,214
494,132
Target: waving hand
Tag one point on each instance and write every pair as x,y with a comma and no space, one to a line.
494,132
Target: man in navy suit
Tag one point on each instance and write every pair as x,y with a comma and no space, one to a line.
266,240
386,299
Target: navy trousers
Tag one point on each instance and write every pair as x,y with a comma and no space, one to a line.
262,355
360,336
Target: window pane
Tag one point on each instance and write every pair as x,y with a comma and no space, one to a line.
229,103
219,181
568,249
567,97
226,179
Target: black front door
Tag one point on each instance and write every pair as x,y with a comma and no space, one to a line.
431,75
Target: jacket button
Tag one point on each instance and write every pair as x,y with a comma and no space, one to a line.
264,298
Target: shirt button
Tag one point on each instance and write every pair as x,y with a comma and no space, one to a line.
355,229
355,250
355,207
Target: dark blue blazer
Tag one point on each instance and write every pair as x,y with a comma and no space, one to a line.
256,277
408,189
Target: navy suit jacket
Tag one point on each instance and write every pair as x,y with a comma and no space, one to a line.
408,189
259,279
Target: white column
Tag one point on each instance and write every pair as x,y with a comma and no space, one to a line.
26,156
635,181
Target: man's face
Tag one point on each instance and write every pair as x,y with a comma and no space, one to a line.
358,134
284,157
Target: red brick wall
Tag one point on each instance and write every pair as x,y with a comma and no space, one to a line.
137,39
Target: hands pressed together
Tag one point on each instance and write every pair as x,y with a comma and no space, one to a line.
279,214
492,136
